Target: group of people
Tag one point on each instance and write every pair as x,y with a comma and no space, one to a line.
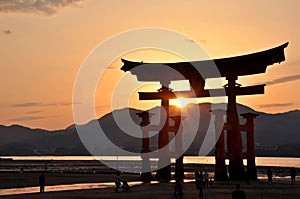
125,185
202,181
293,173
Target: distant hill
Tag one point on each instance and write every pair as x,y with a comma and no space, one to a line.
19,140
275,134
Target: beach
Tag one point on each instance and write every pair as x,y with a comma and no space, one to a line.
281,189
95,180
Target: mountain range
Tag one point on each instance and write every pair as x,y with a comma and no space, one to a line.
275,134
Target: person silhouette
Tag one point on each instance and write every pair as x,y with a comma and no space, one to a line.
293,175
117,182
197,175
178,189
269,175
238,194
199,183
206,178
125,186
42,180
200,187
201,176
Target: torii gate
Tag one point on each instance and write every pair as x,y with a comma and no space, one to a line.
231,68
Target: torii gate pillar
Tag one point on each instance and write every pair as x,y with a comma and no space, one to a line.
164,171
220,156
179,168
146,173
251,166
234,139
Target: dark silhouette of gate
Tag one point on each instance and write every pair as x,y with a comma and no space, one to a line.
230,68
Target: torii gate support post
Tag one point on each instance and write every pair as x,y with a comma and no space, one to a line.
251,166
179,167
220,166
146,172
234,139
164,161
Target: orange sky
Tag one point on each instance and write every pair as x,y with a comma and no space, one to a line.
42,48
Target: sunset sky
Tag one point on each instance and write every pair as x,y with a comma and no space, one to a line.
44,43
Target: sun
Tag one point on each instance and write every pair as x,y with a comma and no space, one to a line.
180,102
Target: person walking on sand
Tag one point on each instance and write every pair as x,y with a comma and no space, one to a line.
199,183
42,180
269,175
201,176
117,182
206,178
199,186
293,175
178,189
238,194
197,175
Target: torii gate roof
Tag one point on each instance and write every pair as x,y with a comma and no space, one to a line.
248,64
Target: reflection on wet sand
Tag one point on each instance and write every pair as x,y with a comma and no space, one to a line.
68,187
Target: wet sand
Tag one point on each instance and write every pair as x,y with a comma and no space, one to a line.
17,180
222,190
280,188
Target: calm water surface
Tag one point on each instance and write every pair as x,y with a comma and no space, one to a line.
260,161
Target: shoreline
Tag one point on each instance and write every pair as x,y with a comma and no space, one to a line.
68,172
95,166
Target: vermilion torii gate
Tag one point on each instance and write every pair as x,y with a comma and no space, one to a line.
230,68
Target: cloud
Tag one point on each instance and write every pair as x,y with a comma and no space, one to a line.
33,117
27,104
34,112
49,104
44,7
38,104
203,41
112,68
61,104
190,40
68,103
26,118
284,79
275,105
7,32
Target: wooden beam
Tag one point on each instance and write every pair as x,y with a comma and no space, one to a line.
248,90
